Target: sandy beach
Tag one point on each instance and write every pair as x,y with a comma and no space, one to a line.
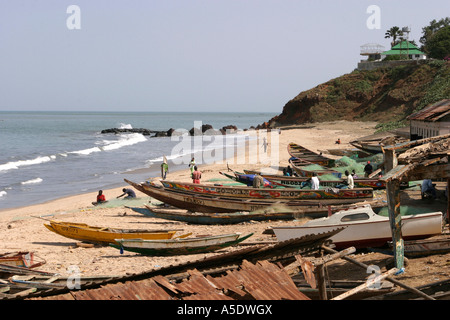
23,228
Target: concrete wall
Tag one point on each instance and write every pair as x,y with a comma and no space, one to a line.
370,65
425,129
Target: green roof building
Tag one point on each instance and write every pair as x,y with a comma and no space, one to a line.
406,49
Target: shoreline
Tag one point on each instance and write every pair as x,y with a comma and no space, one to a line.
152,171
23,232
81,200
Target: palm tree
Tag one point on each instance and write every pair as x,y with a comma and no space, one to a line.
393,33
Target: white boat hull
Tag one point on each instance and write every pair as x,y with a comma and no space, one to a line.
374,232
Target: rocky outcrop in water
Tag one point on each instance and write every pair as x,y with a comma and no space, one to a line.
206,129
142,131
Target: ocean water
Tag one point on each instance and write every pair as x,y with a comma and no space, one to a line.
49,155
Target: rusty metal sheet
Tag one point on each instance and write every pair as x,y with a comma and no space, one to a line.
274,252
229,283
433,112
162,281
267,282
261,281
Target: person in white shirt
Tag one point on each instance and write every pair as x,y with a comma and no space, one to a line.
314,182
350,182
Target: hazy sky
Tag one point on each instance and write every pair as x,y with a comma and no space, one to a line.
187,55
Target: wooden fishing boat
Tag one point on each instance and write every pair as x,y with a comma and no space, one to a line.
245,179
55,281
347,152
275,181
375,143
216,218
304,156
103,235
23,259
302,182
364,228
209,203
420,248
267,193
308,171
180,246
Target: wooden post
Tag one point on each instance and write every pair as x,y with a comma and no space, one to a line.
390,160
448,201
321,283
390,279
393,198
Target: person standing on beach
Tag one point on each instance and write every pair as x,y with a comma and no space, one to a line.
265,144
368,169
130,194
192,166
196,175
164,169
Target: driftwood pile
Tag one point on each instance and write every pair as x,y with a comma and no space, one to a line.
438,151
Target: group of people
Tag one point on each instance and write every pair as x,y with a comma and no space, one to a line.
130,194
196,175
258,181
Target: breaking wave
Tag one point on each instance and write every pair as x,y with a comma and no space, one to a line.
32,181
20,163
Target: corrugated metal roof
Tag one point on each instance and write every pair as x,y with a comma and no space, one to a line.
261,281
156,284
432,112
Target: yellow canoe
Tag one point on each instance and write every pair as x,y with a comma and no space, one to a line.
102,235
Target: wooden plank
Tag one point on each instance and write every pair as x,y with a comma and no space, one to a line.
435,171
331,257
4,289
369,283
413,143
390,279
373,174
51,279
398,172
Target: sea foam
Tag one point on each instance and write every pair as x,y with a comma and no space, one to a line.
125,140
32,181
20,163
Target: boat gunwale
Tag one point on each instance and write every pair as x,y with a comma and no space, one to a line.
431,215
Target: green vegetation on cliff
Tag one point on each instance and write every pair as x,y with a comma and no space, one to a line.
385,95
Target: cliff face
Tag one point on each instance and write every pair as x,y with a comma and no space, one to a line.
382,95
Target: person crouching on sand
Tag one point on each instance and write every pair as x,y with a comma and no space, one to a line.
130,194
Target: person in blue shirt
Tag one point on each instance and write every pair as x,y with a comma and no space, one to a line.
129,192
427,187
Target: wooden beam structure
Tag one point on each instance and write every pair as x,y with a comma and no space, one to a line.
448,200
421,165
